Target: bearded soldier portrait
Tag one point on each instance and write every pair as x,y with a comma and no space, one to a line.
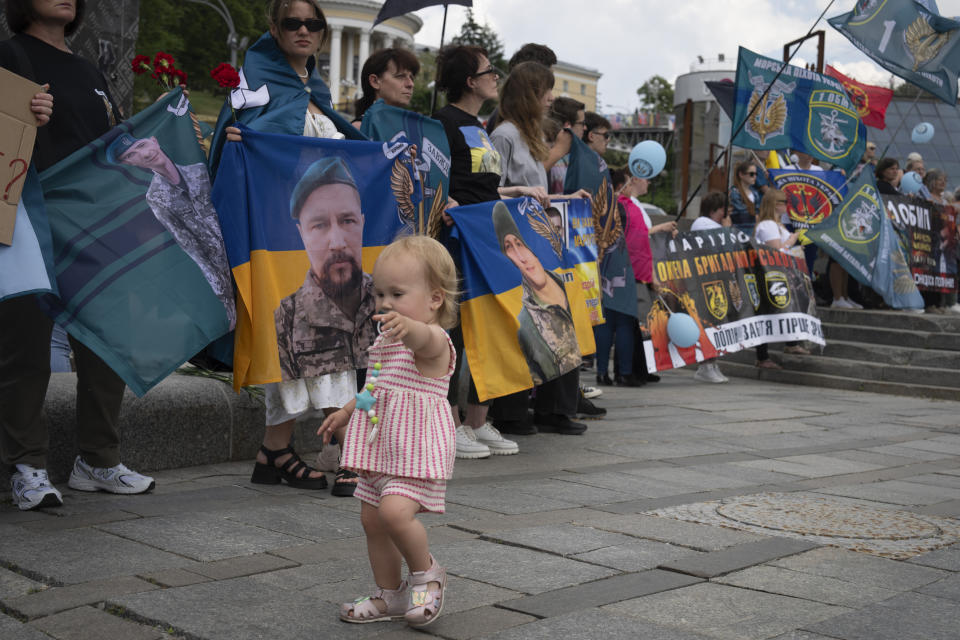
327,324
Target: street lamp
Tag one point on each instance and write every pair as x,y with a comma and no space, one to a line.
233,42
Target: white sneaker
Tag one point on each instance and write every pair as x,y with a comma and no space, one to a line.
853,305
329,458
841,303
954,308
716,370
914,310
709,372
116,479
498,445
592,392
32,488
467,445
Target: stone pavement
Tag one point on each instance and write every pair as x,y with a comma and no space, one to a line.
748,510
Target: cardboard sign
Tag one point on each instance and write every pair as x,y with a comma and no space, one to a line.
18,130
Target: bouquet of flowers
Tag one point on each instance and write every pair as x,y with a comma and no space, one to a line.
163,69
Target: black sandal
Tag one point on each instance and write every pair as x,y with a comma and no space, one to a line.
342,485
295,471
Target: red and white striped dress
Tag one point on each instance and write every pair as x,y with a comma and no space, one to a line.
416,438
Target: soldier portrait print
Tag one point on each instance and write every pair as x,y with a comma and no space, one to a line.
179,196
716,298
326,326
778,289
547,335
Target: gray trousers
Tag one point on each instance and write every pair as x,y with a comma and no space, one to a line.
24,375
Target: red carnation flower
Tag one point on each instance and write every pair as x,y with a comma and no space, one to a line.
179,76
141,64
163,62
226,76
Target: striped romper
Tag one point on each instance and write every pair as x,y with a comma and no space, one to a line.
413,452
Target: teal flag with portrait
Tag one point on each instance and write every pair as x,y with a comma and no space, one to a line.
432,176
909,39
803,110
139,260
860,236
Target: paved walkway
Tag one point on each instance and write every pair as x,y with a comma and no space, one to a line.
692,511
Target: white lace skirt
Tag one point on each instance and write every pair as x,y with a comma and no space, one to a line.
302,398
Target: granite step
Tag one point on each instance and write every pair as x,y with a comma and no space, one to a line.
947,323
742,369
891,354
881,334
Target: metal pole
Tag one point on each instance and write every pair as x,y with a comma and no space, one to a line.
436,72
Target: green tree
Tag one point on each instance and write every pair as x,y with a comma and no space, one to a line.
656,94
423,85
481,35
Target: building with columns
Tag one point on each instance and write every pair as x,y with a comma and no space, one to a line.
350,43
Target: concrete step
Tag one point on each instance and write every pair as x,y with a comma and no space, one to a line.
880,334
807,378
890,354
947,323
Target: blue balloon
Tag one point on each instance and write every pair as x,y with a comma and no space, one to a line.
922,133
911,182
647,159
683,330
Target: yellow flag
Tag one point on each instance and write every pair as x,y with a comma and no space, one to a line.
773,161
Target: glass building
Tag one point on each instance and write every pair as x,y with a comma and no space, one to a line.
940,153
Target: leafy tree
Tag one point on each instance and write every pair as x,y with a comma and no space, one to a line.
423,85
656,94
481,35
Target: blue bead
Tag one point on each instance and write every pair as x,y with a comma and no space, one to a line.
365,400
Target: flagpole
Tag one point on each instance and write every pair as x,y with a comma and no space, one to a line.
747,119
436,73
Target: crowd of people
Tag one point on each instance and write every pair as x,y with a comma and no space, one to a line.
414,373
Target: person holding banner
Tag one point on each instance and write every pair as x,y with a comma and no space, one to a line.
468,79
388,74
770,231
714,214
298,103
83,111
744,196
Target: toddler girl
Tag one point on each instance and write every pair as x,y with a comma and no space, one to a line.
401,438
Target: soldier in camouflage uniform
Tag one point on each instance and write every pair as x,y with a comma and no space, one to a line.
547,335
180,199
326,326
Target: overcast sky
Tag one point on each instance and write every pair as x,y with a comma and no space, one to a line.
630,40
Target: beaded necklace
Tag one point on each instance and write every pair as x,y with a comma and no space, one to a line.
365,401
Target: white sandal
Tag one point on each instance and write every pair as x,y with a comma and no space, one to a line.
364,610
426,604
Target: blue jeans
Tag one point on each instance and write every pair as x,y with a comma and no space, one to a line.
619,328
59,351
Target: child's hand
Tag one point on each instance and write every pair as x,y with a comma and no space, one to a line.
336,420
394,325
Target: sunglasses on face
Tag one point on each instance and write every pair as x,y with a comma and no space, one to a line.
605,134
751,173
313,25
491,70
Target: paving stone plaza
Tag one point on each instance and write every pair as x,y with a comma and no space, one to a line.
750,510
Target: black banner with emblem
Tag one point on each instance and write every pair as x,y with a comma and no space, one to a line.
742,294
928,234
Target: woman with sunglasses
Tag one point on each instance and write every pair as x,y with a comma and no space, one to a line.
744,196
298,103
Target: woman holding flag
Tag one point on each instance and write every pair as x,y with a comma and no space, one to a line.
296,102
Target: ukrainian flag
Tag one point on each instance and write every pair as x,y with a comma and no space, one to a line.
492,293
254,183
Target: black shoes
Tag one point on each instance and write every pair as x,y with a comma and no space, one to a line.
556,423
515,427
604,380
588,410
631,380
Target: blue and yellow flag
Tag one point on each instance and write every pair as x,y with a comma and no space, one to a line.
908,39
523,313
432,177
291,266
587,170
803,110
582,244
860,236
26,266
140,266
